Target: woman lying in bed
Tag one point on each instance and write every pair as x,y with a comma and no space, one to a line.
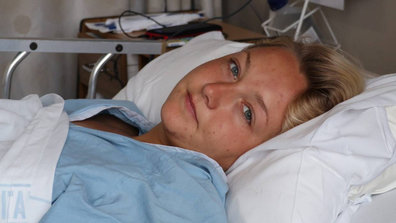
131,171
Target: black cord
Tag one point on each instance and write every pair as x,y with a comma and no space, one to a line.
208,20
192,5
135,13
230,15
257,14
116,72
175,34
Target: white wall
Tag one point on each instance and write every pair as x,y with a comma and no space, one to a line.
366,29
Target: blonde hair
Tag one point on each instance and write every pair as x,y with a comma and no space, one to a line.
331,78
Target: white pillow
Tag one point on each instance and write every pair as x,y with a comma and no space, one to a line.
152,85
387,180
271,183
304,175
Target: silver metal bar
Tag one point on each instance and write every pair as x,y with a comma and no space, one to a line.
329,27
95,73
304,10
293,25
10,71
80,45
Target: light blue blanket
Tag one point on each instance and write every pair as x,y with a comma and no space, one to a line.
105,177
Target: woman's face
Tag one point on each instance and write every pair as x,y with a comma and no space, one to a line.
227,106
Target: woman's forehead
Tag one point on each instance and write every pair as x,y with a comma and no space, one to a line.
275,73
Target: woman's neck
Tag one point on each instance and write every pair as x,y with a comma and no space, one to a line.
112,124
109,123
154,136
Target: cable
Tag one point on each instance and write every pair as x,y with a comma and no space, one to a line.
192,5
116,72
230,15
257,14
208,20
175,34
135,13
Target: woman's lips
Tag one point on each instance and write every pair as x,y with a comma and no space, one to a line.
190,106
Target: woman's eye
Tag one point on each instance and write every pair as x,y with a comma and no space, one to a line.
247,113
234,70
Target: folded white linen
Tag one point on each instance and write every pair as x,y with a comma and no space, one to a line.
32,134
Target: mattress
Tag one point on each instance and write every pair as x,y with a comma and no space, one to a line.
380,210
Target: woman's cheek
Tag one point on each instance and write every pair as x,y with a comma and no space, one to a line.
227,131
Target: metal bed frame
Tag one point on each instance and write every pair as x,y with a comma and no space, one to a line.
25,46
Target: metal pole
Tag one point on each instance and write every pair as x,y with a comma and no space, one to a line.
109,47
81,46
329,27
95,73
304,10
9,72
293,24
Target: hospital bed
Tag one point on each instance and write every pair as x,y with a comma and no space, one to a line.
243,199
108,48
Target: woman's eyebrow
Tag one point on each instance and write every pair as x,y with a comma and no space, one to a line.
247,64
260,101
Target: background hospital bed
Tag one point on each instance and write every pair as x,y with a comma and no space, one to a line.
381,209
94,46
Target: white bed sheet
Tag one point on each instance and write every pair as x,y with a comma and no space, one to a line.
32,134
380,210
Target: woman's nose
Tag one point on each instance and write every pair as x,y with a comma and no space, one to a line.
217,93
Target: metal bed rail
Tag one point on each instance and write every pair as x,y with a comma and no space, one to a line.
25,46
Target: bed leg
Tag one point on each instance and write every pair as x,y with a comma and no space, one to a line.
9,72
94,74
